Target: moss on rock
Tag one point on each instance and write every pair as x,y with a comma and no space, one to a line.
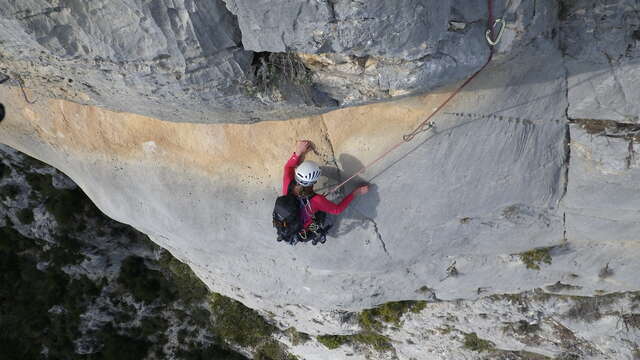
376,341
237,323
391,313
333,341
533,258
474,343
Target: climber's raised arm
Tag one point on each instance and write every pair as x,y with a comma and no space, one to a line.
321,203
302,147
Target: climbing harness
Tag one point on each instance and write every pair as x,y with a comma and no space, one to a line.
492,39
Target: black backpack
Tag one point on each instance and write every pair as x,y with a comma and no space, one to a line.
286,218
288,224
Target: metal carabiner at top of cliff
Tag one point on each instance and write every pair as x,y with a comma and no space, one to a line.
494,42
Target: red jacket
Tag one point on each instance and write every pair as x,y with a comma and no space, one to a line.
318,202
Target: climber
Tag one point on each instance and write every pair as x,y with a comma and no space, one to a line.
312,206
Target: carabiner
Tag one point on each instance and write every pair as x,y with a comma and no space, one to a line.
503,25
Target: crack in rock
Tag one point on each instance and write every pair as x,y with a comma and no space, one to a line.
327,138
375,228
325,133
567,144
632,154
564,226
331,6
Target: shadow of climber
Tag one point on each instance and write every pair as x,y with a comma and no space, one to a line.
1,112
363,209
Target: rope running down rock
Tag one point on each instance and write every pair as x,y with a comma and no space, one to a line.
427,124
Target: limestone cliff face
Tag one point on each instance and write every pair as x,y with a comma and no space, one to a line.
211,61
507,169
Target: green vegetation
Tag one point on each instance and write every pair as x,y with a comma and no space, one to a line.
145,285
373,339
372,322
121,346
273,350
391,312
334,341
65,204
377,341
151,326
211,352
41,184
240,325
237,323
4,170
9,192
474,343
190,288
25,304
533,258
274,71
66,251
29,325
25,216
297,337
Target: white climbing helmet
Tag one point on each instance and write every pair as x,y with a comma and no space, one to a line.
307,173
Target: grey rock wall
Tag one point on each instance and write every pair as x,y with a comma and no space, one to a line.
199,61
602,61
604,185
175,60
405,29
374,49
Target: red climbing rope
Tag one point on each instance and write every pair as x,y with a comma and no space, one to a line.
427,124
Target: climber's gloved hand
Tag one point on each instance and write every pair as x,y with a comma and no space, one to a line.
302,146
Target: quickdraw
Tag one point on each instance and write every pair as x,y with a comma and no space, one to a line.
489,32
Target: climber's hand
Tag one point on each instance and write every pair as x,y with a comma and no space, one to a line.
302,146
361,190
